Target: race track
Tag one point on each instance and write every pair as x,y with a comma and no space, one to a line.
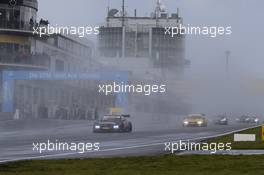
17,138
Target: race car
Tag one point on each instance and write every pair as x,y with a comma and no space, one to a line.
221,120
113,123
248,119
195,120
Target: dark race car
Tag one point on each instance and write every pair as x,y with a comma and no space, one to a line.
248,119
221,120
113,123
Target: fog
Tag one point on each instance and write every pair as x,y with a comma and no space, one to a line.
213,89
68,106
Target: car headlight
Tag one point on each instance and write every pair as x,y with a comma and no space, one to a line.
256,120
116,127
223,120
200,122
186,122
97,127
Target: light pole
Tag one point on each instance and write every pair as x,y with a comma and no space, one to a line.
123,13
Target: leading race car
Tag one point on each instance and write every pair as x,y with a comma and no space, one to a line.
197,120
113,123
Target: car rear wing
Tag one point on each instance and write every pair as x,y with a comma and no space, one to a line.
126,115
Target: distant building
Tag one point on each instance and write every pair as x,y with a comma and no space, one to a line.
20,49
133,36
139,44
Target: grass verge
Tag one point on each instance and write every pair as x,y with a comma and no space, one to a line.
159,165
258,145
